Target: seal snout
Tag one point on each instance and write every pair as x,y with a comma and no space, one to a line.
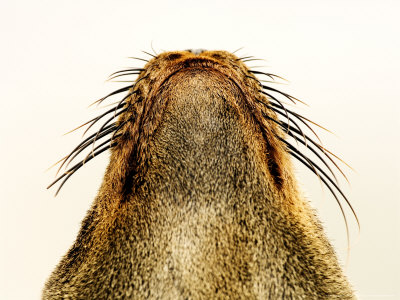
196,51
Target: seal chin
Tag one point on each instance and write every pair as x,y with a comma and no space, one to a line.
196,51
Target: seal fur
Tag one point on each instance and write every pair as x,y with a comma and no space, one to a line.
199,200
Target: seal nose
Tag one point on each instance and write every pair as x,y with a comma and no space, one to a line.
196,51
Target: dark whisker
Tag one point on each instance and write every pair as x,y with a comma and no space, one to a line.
110,128
123,74
287,115
274,82
114,104
319,147
259,72
252,59
120,126
333,193
52,166
99,132
116,114
322,149
80,126
267,106
83,148
138,58
149,53
151,45
315,153
270,75
279,103
121,90
291,147
233,52
87,144
94,121
128,70
126,97
110,140
287,125
297,116
118,106
76,167
291,98
245,57
338,189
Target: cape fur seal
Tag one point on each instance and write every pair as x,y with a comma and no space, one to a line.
199,200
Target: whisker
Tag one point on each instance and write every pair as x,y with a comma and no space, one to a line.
111,104
245,57
87,144
252,59
118,106
83,148
266,105
322,149
279,102
151,45
123,74
338,158
334,195
138,58
128,70
98,117
291,98
120,126
94,121
237,50
76,167
287,115
298,117
339,190
55,164
149,53
315,153
80,126
270,75
274,82
105,123
291,147
116,114
110,140
121,90
110,127
126,97
287,125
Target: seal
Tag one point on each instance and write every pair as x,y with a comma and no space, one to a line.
199,200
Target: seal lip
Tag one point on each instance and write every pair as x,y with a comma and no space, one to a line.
202,61
196,51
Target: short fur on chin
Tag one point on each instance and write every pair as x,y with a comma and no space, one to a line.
199,200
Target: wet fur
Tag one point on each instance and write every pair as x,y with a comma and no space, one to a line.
199,199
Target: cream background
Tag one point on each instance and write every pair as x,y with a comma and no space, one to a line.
341,57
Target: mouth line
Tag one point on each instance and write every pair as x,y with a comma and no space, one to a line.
193,63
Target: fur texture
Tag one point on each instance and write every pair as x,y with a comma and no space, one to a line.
199,200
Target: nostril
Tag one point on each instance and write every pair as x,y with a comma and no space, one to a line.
196,51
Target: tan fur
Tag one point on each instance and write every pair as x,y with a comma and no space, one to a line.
199,199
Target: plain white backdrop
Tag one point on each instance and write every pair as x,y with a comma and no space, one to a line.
341,57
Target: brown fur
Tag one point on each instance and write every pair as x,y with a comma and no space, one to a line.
199,200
